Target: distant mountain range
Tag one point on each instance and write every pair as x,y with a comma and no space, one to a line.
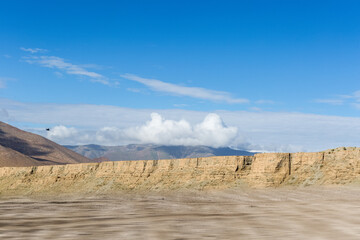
19,149
152,152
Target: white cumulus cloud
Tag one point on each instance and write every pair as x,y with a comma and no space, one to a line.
62,132
210,132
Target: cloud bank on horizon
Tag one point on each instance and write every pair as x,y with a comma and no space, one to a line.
110,125
210,132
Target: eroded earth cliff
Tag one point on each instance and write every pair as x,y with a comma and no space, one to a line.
336,166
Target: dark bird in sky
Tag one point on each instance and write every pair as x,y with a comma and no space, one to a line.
48,129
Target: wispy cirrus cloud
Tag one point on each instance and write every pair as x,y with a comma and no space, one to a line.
3,81
33,50
355,96
330,101
262,101
194,92
352,99
69,68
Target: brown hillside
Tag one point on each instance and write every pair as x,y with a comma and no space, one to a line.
33,148
11,158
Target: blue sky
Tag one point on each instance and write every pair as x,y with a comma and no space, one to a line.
237,59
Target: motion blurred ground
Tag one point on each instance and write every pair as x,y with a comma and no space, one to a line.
286,213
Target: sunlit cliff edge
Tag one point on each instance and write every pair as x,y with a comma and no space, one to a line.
336,166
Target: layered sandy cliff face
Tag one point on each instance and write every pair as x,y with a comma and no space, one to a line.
336,166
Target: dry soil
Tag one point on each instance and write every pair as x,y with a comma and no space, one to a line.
285,213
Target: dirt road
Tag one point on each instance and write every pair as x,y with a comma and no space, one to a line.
305,213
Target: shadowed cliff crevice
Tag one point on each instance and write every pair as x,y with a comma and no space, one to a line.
290,159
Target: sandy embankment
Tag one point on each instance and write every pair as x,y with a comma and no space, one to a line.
337,166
